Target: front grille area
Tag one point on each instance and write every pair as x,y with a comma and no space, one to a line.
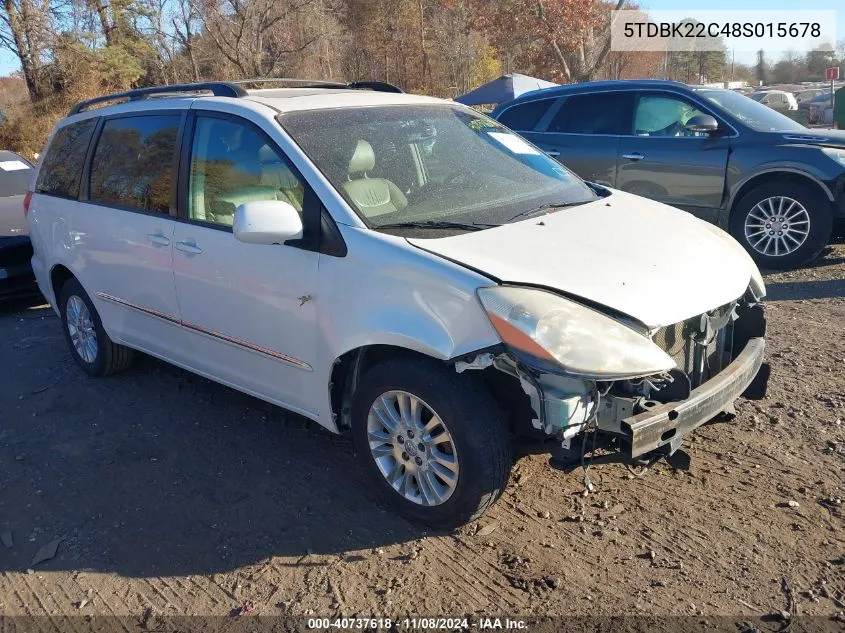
676,340
682,339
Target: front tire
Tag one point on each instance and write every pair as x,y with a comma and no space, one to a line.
435,443
782,225
90,346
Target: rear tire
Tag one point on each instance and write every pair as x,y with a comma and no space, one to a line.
90,346
475,445
782,225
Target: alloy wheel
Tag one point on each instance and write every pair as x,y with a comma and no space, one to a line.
412,448
777,226
80,326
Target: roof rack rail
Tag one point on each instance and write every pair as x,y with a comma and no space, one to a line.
217,88
378,86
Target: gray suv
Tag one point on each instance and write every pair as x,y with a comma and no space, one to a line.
776,185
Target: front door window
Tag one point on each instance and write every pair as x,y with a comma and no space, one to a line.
663,116
232,163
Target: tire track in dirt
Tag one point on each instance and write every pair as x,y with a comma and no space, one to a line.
193,584
39,595
459,567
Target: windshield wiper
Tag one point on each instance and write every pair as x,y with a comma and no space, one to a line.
547,207
437,224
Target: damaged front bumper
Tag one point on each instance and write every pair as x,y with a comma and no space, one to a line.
718,357
665,425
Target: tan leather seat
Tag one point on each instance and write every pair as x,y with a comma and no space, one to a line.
372,196
275,173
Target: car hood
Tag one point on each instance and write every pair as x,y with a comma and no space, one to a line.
647,260
826,138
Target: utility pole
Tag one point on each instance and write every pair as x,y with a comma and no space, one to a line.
733,59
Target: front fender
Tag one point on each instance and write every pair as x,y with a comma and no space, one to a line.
389,292
402,328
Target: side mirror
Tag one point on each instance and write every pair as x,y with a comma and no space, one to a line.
266,222
702,123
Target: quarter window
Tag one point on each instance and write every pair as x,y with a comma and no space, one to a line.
232,163
133,164
601,113
61,167
663,116
525,116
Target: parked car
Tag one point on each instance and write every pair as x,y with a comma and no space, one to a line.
806,95
806,106
334,252
16,279
776,99
773,183
816,107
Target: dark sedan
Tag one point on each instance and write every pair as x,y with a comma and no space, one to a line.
16,278
776,185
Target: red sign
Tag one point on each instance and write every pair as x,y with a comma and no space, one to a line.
831,73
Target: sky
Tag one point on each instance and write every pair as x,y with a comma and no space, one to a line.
9,63
747,57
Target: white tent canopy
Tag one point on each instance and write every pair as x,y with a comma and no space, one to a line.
503,89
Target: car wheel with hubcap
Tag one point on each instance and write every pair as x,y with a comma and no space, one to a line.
90,346
782,225
437,444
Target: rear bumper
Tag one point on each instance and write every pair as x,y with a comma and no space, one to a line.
16,277
666,424
17,282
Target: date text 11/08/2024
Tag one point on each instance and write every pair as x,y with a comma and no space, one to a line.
426,624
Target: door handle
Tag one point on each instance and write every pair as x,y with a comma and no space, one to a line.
188,246
158,239
633,156
552,152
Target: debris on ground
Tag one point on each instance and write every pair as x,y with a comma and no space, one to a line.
245,609
488,529
46,552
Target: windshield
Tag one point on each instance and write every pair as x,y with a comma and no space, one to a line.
431,164
753,114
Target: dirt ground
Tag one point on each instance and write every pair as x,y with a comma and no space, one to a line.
174,495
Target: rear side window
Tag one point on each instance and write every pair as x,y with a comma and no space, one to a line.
61,168
601,113
133,162
525,116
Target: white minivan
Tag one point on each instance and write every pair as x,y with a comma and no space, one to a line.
396,266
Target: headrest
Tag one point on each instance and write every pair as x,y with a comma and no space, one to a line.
363,159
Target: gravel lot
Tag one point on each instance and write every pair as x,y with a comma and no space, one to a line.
173,495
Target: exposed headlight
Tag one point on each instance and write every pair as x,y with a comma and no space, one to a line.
582,341
836,154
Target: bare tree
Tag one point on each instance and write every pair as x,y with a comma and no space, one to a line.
183,27
582,59
25,29
252,34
